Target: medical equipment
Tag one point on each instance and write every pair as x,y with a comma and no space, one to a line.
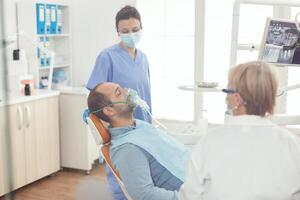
134,97
281,43
281,46
236,19
134,100
102,138
235,46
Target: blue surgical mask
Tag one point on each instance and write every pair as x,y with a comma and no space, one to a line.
229,112
131,39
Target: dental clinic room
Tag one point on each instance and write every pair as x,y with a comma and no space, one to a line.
149,100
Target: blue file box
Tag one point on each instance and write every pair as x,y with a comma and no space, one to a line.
59,19
40,18
53,20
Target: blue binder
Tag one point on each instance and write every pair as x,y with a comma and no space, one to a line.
59,19
53,19
41,55
40,18
48,18
47,59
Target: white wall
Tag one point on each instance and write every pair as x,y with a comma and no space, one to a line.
93,25
93,28
1,56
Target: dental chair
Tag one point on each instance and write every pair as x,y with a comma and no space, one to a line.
102,138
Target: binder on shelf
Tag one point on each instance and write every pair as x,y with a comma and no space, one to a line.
47,57
53,19
41,55
42,60
59,19
40,18
48,18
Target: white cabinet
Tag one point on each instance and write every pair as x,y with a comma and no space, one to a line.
58,42
78,148
54,134
47,137
34,136
17,138
3,155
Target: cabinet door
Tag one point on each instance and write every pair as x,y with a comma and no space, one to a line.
3,154
54,135
30,141
42,127
16,123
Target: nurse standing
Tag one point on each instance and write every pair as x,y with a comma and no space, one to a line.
123,63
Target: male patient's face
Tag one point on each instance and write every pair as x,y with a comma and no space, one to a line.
115,93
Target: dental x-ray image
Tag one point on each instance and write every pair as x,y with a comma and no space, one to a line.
281,43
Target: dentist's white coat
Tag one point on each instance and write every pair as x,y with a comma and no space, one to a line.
249,158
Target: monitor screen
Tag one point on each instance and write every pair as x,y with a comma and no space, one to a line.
280,43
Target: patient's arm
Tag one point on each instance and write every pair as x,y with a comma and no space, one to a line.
134,168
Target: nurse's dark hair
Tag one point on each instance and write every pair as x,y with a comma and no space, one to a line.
128,12
97,100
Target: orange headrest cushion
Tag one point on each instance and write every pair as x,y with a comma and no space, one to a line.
101,128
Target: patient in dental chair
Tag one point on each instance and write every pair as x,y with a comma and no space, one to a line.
151,163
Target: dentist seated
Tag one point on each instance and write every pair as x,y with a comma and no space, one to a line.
249,158
151,163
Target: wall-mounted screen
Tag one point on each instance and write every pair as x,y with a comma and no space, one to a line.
280,43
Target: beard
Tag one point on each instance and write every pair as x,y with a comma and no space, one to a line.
125,111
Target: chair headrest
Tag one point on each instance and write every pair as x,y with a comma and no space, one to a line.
99,131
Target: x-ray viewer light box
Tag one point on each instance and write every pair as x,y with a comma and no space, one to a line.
281,43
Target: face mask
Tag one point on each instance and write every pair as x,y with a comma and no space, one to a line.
230,111
134,100
131,39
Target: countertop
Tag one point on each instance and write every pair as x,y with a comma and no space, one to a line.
14,98
74,90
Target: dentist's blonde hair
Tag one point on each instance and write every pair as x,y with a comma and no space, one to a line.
256,82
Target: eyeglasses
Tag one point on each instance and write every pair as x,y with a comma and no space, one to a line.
229,91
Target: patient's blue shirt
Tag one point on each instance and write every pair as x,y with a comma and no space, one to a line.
143,173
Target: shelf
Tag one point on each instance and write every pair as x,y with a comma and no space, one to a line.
55,67
201,89
59,43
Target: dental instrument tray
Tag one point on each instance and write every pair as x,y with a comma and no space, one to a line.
207,84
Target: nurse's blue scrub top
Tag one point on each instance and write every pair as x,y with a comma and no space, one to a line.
114,64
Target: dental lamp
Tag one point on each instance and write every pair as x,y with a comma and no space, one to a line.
15,38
